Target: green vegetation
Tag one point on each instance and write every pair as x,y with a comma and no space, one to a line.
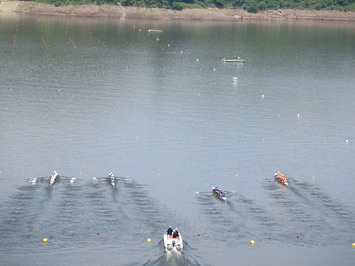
249,5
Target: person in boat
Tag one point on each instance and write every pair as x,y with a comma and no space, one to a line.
176,233
169,231
111,178
219,191
54,176
238,58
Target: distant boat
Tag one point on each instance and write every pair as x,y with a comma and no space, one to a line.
236,60
54,178
281,178
156,31
219,193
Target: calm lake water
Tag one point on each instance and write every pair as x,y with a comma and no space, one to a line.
87,97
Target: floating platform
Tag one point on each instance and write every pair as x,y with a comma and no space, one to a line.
233,60
156,31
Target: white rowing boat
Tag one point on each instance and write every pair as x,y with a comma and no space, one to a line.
54,178
281,178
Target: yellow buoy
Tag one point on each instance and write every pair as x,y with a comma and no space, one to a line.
149,240
353,245
44,239
252,242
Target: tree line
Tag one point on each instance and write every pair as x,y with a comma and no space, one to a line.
249,5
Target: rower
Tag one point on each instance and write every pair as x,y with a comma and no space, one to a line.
169,231
111,178
54,176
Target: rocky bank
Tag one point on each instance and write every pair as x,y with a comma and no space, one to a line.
211,14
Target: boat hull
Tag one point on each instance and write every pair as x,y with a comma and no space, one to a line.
173,244
54,178
218,195
233,60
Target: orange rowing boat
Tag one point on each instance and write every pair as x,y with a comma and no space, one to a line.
281,178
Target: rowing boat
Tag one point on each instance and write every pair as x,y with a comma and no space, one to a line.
54,178
112,179
219,193
281,178
173,244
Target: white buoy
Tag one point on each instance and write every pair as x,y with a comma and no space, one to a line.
235,80
298,115
347,141
262,96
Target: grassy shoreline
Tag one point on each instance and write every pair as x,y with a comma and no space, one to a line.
211,14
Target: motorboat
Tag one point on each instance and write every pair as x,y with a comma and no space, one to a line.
173,244
219,193
54,178
281,178
236,60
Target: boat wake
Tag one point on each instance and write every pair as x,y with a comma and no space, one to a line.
305,210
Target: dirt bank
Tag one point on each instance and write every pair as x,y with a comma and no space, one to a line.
164,14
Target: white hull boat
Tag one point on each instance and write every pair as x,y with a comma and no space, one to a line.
173,244
237,60
54,178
